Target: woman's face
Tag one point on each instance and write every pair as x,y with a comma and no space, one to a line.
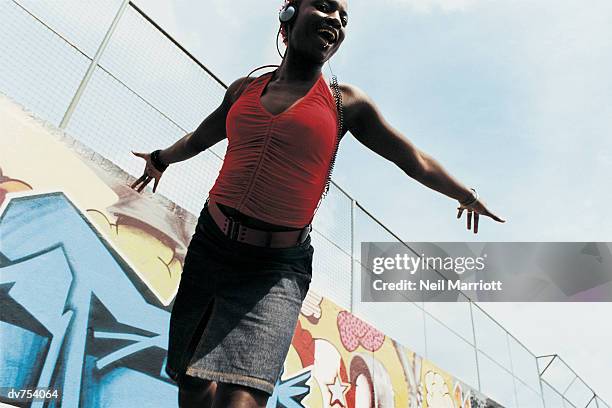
319,28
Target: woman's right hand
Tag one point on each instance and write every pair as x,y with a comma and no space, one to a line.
150,173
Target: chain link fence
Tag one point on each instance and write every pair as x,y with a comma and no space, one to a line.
115,81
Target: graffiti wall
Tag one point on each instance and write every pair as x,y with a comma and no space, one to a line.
88,272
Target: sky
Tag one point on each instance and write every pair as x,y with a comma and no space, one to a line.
513,98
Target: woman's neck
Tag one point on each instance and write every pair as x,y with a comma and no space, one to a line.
297,68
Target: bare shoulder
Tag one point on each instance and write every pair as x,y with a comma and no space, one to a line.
352,93
236,88
355,99
356,103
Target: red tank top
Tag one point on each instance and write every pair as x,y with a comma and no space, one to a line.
276,166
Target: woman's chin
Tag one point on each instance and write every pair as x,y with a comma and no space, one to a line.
322,54
317,53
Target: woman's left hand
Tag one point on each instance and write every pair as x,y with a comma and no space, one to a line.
476,209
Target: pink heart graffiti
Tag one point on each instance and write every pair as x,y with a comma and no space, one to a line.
354,332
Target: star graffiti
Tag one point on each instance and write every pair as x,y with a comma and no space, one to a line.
338,391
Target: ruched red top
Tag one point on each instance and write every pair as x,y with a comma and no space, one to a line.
276,166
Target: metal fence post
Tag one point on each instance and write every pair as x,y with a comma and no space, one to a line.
475,344
514,377
353,269
540,382
94,63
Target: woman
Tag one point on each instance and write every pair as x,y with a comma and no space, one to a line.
248,266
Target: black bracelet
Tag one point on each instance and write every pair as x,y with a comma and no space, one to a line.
157,163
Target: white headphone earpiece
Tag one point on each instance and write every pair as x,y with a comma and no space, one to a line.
287,14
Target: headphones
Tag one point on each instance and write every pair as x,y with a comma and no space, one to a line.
287,14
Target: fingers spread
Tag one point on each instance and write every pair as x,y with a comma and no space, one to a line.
481,210
496,218
141,179
144,184
460,212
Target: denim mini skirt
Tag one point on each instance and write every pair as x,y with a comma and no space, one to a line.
236,308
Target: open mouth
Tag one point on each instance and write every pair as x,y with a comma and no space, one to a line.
327,35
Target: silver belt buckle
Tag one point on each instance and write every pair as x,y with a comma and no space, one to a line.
233,228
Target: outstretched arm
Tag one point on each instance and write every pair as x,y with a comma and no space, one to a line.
367,124
211,131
